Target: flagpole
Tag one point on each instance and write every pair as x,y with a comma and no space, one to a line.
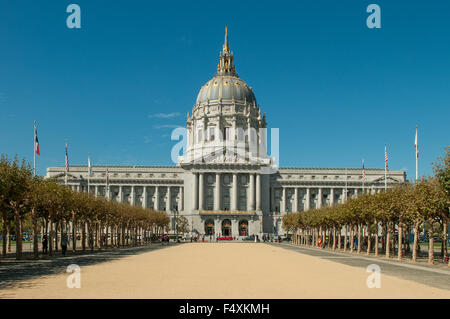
364,177
385,168
65,180
417,157
89,171
34,150
346,179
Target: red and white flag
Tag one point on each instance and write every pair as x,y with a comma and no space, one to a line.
416,145
36,141
67,160
385,158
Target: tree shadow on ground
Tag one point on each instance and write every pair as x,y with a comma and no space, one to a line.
16,274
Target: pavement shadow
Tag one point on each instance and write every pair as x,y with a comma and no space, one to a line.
17,274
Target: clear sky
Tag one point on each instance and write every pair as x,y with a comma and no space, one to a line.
337,90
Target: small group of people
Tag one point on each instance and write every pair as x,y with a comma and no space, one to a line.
64,243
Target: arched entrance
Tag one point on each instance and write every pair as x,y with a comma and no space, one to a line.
226,227
209,227
243,227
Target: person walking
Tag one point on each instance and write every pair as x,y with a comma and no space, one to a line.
64,241
44,245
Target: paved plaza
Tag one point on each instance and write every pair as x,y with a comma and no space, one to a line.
221,270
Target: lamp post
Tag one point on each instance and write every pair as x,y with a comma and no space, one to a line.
175,224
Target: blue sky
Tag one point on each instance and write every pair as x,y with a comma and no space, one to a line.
337,90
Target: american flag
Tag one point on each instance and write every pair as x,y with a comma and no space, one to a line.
36,141
385,157
67,160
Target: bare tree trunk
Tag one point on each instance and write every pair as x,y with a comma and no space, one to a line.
18,224
416,242
345,238
400,241
83,236
9,238
107,235
96,225
4,233
334,238
74,235
369,238
359,239
56,236
444,239
431,244
35,234
352,229
388,240
50,239
376,238
339,233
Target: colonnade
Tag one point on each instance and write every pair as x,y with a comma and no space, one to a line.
144,195
320,192
253,191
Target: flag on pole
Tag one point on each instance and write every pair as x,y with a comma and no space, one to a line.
385,158
36,141
416,145
89,166
67,160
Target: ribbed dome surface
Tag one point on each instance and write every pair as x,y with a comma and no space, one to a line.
225,88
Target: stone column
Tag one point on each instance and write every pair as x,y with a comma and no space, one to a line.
283,200
195,192
295,207
181,199
331,196
168,200
319,202
251,193
234,197
343,195
132,201
156,205
201,191
235,227
96,191
217,193
144,197
308,199
258,192
356,193
120,198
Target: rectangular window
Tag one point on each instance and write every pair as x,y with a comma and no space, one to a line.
211,133
227,133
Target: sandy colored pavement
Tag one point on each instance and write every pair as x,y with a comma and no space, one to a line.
223,270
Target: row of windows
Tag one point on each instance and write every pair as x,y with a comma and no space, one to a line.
210,134
325,177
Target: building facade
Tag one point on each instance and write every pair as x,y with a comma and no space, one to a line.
225,183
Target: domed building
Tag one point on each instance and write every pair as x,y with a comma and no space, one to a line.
225,183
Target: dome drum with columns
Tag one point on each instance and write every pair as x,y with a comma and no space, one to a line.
219,184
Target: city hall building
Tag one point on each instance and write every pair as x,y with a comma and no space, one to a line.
225,183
